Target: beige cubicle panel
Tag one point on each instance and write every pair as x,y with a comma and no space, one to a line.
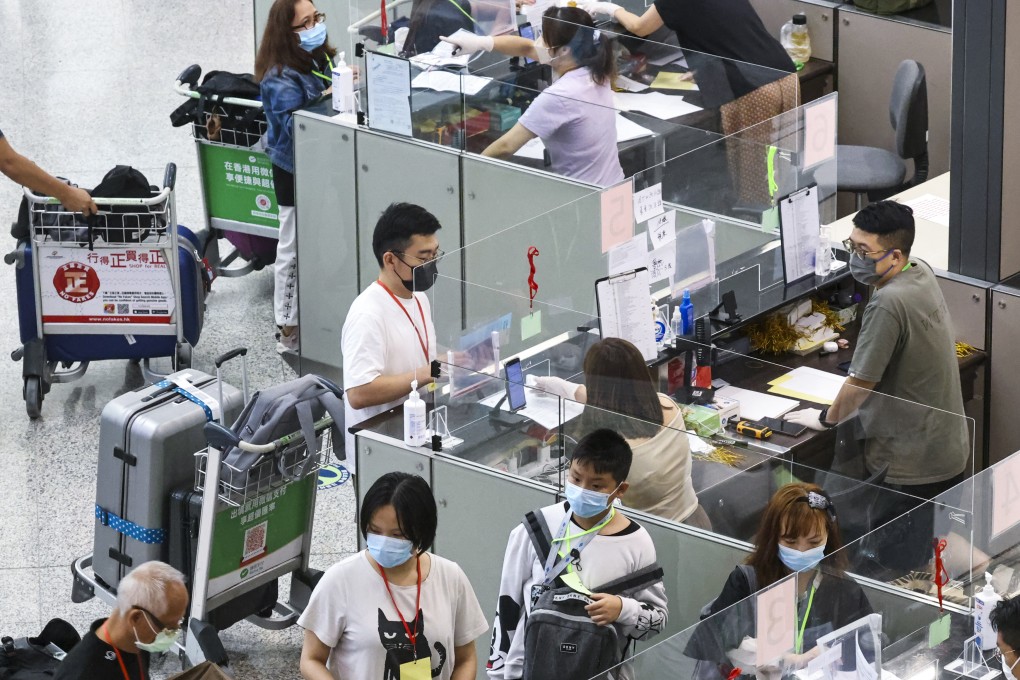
866,80
821,21
1009,257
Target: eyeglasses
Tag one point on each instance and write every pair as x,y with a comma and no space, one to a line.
310,22
858,250
153,617
439,254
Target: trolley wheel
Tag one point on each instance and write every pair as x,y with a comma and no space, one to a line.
33,394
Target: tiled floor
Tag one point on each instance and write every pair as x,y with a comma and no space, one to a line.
86,85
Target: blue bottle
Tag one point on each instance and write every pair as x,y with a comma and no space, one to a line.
687,313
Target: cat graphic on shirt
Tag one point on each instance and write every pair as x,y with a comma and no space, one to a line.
398,646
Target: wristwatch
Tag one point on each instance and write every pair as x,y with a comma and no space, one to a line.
825,423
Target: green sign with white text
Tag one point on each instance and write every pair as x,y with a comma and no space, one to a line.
262,534
239,185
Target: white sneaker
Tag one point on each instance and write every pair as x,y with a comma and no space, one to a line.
288,343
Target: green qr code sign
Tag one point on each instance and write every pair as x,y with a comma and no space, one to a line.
239,185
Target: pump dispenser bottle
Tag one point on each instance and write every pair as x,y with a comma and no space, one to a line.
415,430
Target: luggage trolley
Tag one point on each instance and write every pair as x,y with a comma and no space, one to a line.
102,288
237,178
237,552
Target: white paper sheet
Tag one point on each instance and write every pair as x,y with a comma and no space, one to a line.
930,207
445,81
542,407
648,203
625,83
865,669
757,405
626,130
631,254
662,263
624,311
662,229
389,93
800,227
656,104
821,386
430,60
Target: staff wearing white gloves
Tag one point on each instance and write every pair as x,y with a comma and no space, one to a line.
571,116
620,396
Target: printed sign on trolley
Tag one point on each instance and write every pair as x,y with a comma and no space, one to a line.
129,285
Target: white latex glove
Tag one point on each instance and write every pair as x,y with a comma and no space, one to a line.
469,42
593,8
557,386
808,417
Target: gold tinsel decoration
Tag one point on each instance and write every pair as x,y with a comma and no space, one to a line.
774,334
831,316
721,456
963,350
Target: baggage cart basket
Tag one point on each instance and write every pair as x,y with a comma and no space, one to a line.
257,528
113,274
237,176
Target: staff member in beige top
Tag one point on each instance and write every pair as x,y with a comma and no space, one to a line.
623,397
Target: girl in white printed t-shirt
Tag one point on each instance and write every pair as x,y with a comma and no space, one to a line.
393,610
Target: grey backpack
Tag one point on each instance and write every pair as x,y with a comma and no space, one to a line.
561,642
279,411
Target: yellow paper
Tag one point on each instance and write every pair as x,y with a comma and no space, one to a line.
799,396
416,670
668,80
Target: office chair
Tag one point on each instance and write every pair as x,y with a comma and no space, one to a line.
880,173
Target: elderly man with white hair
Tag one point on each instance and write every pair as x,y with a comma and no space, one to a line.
151,601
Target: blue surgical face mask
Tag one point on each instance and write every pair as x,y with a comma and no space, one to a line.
314,37
388,552
865,270
797,560
587,503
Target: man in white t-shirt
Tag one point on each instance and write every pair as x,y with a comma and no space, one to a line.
388,338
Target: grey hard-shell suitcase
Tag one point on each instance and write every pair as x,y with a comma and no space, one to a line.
147,444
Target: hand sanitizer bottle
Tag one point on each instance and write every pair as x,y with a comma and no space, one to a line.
343,86
415,430
984,603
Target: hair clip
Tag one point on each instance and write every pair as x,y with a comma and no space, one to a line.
817,501
596,34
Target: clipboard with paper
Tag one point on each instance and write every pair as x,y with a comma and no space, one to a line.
624,307
799,233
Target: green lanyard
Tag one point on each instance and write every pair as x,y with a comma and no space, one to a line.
329,78
461,10
803,624
595,529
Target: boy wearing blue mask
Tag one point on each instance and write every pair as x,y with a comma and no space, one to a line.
593,544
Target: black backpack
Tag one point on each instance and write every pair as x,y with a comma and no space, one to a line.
561,642
52,220
37,658
123,181
240,125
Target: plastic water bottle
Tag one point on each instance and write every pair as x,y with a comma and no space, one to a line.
676,323
796,40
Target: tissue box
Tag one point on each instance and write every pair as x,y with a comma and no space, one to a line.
727,409
502,116
704,421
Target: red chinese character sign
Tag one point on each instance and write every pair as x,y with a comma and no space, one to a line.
76,282
122,286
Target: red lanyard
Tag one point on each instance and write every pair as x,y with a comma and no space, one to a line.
412,635
120,660
424,343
